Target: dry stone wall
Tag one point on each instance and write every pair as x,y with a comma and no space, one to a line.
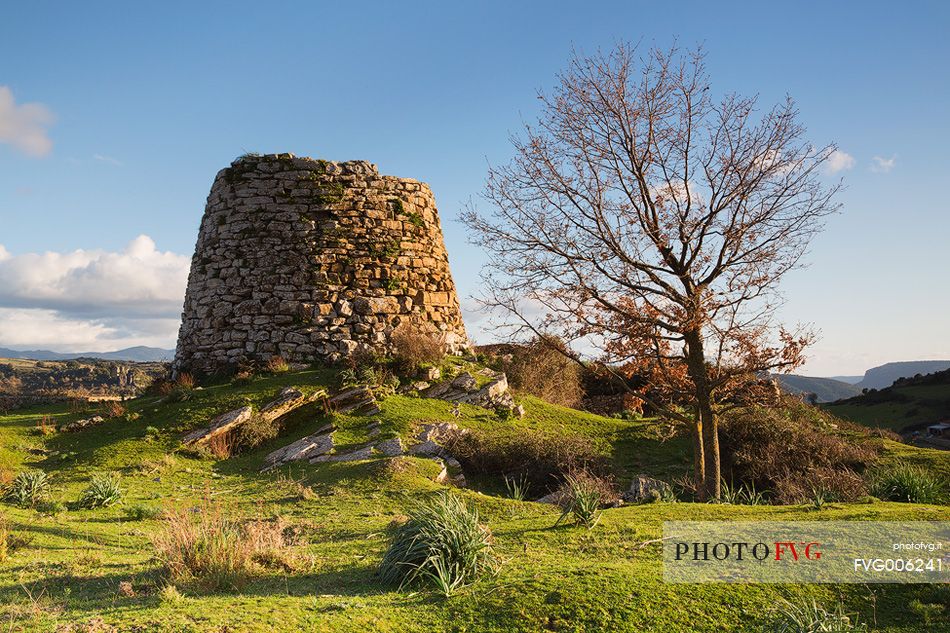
309,259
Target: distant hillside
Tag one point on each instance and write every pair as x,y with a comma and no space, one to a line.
912,403
851,380
827,389
885,375
138,354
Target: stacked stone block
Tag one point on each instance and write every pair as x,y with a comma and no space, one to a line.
313,260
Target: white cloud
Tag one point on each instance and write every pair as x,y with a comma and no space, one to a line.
112,299
839,161
24,126
107,159
883,165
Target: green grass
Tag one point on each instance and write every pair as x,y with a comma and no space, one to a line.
552,578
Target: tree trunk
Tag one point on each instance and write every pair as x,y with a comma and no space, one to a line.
699,459
708,425
712,472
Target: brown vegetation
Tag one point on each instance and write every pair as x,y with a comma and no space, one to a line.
793,451
414,347
540,459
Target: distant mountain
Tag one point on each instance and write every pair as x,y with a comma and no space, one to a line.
138,354
851,380
885,375
827,389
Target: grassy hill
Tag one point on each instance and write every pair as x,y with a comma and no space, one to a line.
827,389
909,404
886,374
72,571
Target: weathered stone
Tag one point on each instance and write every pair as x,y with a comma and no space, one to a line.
305,448
645,488
79,425
288,252
221,424
358,400
353,456
431,373
390,448
288,400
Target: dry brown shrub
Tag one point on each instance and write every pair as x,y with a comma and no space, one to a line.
414,347
541,459
276,365
205,547
793,450
112,409
539,369
185,381
221,446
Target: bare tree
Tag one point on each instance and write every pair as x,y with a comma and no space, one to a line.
653,222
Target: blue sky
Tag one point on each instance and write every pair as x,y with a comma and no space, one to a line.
137,106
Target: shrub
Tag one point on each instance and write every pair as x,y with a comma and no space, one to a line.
113,409
221,446
442,543
103,491
142,512
541,370
51,507
28,488
540,460
791,450
151,433
582,495
413,347
811,617
909,484
10,542
256,431
276,365
206,548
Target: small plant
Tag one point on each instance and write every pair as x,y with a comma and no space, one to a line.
28,488
10,542
169,594
221,446
103,491
415,219
821,497
132,416
811,617
909,484
256,431
517,487
398,206
45,426
276,365
113,409
740,495
143,512
151,433
929,612
392,284
51,507
582,496
442,542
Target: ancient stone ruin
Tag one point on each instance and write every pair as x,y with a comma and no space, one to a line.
313,260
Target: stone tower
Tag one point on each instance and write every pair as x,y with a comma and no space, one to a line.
313,260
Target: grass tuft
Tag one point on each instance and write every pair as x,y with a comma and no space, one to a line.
442,542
